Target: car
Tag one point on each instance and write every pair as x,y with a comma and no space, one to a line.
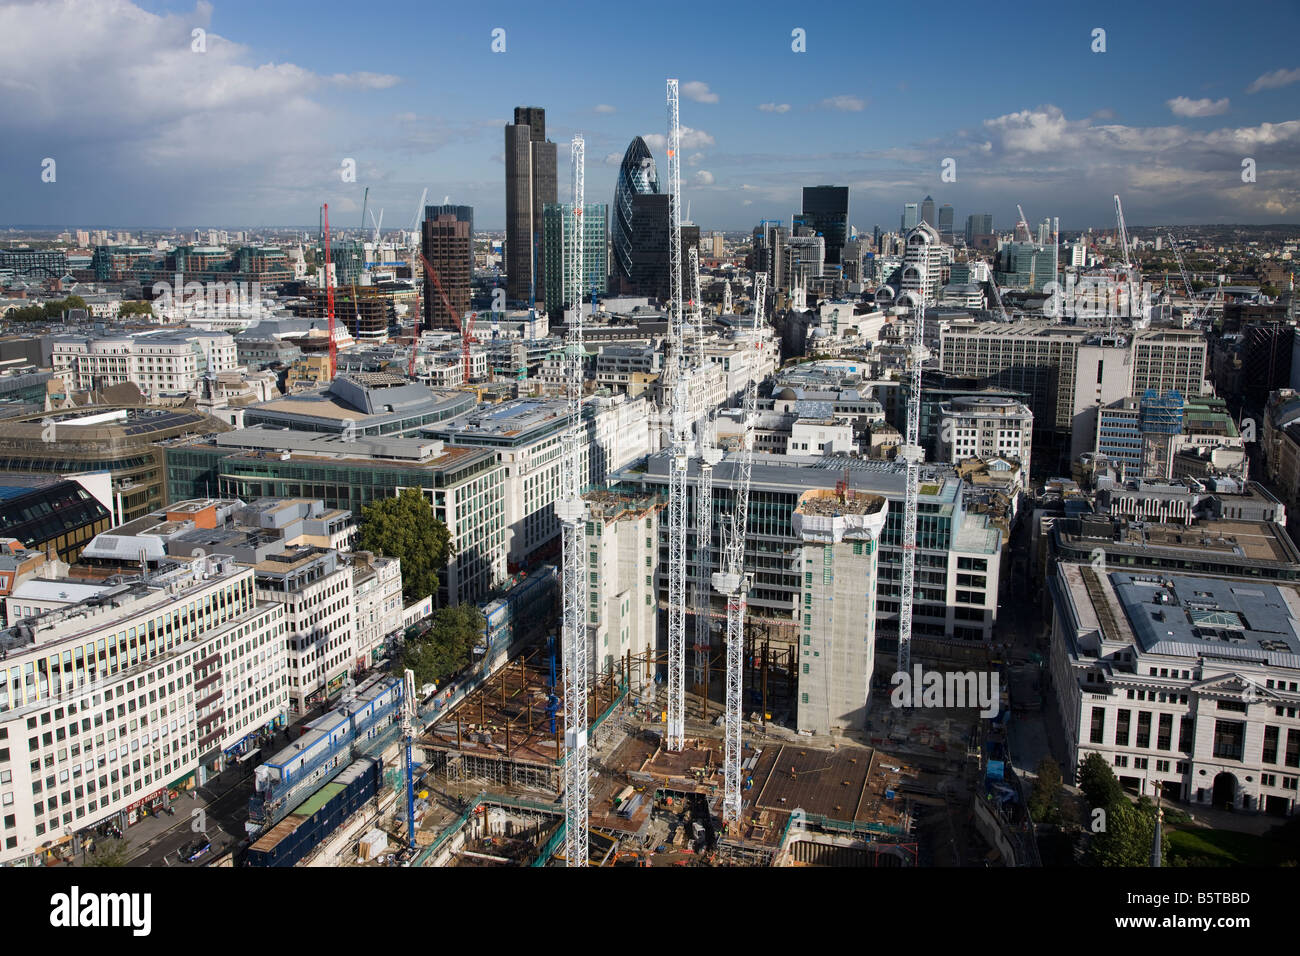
192,851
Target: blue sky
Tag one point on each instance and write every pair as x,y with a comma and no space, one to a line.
252,131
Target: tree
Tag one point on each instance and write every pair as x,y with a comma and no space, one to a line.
444,649
136,308
1129,832
1098,783
109,853
404,527
1045,798
1271,291
56,308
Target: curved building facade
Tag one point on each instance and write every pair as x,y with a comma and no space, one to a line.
637,176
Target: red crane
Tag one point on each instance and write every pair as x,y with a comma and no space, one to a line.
466,327
329,296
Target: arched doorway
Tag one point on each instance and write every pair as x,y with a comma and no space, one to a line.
1225,791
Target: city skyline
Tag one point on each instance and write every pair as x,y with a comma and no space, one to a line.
252,132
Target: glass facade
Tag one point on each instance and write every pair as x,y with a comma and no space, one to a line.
636,176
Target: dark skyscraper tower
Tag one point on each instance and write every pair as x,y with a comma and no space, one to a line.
945,221
826,211
446,243
927,210
462,214
530,185
636,177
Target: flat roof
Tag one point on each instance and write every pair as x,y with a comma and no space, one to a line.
1190,615
318,799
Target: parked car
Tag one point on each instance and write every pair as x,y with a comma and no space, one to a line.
192,851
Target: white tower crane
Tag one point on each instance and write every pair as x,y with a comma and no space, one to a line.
733,583
681,442
408,715
1029,233
709,456
571,510
912,455
1132,271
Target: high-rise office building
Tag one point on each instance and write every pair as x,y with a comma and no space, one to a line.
462,214
530,185
910,217
637,176
557,241
649,251
768,253
826,211
445,242
945,221
978,224
927,210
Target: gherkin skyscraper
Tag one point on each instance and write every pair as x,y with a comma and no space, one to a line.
637,176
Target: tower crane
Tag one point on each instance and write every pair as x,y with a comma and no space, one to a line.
709,456
1187,281
329,295
571,510
419,209
733,583
1132,271
465,326
912,455
1024,222
680,429
408,716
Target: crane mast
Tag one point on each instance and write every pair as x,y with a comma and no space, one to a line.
912,455
571,510
408,715
1132,272
733,583
681,442
1025,222
329,296
709,456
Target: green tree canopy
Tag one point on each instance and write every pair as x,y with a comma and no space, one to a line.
404,527
136,308
109,853
1098,782
445,648
1128,834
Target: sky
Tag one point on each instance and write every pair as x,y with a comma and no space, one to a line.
253,130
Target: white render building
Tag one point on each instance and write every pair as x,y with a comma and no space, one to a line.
315,589
165,362
622,560
978,426
1186,684
839,556
121,701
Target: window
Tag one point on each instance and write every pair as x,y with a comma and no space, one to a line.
1098,724
1122,728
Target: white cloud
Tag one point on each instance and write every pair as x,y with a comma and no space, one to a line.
699,92
848,104
694,159
704,178
690,139
613,159
1182,106
1271,81
774,107
605,108
366,81
747,202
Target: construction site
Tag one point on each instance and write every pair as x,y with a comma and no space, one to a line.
565,754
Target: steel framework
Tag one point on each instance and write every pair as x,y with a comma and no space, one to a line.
571,510
733,583
912,454
681,442
708,457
